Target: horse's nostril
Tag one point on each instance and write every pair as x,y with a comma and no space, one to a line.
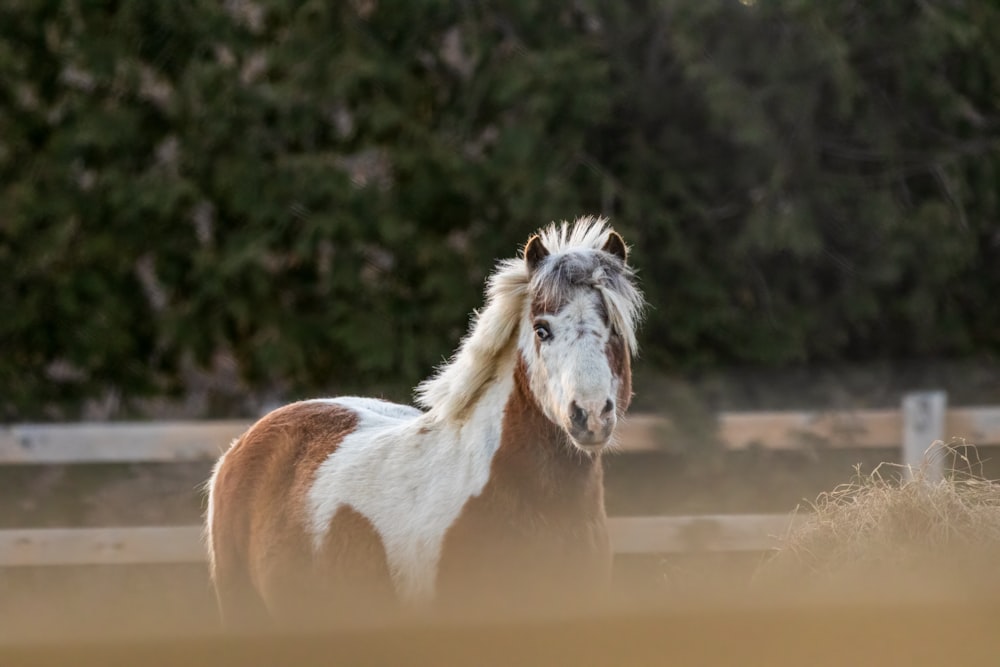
608,407
577,415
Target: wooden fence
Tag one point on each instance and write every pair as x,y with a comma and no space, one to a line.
183,544
922,418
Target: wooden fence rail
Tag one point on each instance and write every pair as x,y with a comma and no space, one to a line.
205,440
183,544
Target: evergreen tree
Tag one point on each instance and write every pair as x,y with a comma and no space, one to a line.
309,195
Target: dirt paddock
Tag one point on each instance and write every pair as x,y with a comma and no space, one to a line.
887,634
164,615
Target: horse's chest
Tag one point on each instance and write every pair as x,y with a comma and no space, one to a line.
519,558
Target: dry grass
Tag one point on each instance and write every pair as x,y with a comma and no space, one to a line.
892,526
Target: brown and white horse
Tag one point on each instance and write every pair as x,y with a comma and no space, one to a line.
494,490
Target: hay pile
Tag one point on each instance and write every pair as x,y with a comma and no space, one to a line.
887,525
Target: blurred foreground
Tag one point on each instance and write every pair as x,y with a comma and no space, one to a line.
165,616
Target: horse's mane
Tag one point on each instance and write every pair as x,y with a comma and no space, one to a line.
493,330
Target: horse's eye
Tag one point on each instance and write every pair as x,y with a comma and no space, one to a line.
542,331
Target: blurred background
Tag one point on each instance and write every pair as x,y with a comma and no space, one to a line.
210,208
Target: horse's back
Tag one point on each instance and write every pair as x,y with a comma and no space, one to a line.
259,530
369,408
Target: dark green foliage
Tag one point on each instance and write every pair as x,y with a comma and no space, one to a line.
811,181
312,193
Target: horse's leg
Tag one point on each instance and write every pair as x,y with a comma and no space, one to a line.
345,581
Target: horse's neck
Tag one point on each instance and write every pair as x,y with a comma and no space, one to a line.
536,462
538,519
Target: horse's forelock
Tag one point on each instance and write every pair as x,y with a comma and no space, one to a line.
561,275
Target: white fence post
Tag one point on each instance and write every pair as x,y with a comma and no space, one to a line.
923,423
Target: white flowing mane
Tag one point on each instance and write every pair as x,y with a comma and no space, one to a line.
493,331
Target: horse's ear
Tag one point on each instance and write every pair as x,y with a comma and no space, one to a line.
534,252
616,246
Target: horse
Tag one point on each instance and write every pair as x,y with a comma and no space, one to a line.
491,489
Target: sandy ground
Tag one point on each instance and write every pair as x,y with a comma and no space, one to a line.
913,636
127,616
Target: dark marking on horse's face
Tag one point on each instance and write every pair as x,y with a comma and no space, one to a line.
618,359
615,351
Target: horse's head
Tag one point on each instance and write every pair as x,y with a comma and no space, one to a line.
579,335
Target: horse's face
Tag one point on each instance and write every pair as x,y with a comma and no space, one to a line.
577,363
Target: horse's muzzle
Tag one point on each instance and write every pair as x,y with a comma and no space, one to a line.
591,426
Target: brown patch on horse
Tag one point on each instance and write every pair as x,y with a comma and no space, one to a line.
353,572
537,532
542,305
618,358
259,534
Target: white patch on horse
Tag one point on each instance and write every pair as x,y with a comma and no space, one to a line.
410,477
572,366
